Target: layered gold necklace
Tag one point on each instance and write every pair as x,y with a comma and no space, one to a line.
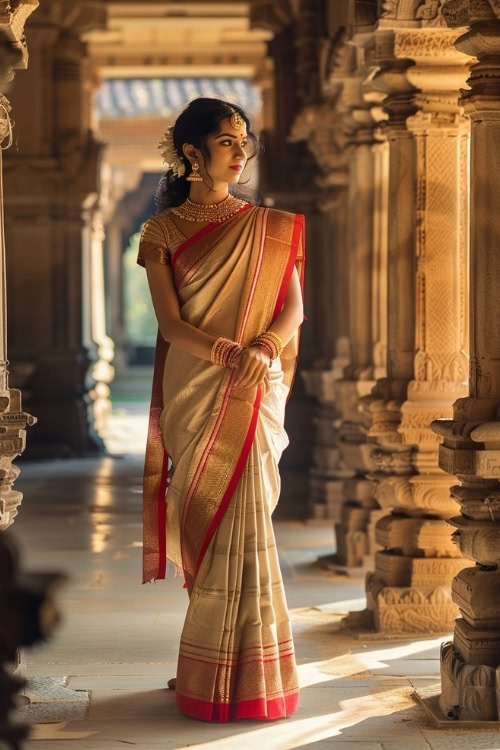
211,212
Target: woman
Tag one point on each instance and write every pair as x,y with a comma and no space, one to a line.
226,280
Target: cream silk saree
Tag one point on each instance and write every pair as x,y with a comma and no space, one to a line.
209,512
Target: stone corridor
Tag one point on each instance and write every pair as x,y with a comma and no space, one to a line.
101,682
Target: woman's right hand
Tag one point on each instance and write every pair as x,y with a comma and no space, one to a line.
253,366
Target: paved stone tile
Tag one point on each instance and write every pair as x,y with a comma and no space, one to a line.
119,639
39,713
132,704
341,745
462,739
158,670
122,682
404,667
48,689
79,745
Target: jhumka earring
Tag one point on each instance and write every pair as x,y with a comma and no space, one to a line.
195,175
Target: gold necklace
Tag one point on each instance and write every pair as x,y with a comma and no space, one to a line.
211,212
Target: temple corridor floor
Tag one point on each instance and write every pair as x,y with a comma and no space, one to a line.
101,681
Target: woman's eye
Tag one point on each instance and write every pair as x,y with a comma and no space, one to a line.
230,143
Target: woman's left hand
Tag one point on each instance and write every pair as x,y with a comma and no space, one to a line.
253,366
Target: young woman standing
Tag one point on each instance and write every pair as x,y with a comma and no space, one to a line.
226,280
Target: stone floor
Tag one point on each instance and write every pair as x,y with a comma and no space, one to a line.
100,682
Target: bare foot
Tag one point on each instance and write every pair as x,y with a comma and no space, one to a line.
171,683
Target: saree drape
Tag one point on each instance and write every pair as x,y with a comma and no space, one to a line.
211,479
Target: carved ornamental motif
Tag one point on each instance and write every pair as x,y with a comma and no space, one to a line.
426,11
466,12
13,16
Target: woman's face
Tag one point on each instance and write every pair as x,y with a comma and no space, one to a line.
229,150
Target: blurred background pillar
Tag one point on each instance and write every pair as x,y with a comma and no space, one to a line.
320,126
366,305
13,419
52,190
288,182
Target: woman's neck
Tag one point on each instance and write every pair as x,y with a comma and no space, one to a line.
199,193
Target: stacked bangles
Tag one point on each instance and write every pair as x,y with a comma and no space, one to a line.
271,342
225,352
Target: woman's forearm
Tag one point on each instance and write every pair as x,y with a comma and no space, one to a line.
196,342
287,323
189,338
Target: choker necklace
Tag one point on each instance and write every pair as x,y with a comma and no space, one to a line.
211,212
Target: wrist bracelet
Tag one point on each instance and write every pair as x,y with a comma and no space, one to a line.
224,352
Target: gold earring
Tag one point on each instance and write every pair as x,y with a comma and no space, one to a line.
195,176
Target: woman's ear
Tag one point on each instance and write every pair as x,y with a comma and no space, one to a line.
189,151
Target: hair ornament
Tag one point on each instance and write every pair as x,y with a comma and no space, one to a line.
171,158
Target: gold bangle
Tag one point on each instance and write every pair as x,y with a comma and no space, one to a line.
274,340
223,351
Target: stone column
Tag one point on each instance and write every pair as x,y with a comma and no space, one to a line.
13,420
353,519
117,180
288,182
102,372
51,180
428,136
470,665
322,128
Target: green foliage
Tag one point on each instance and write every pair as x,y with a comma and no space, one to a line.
140,320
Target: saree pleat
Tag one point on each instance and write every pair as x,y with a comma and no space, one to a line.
224,443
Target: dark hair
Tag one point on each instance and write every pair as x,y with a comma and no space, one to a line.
196,122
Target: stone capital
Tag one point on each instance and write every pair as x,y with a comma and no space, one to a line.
418,13
272,15
465,13
13,49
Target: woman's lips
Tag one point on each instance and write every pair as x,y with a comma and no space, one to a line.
236,167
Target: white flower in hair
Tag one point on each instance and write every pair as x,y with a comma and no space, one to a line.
171,158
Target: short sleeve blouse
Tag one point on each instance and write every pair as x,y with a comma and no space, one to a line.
153,244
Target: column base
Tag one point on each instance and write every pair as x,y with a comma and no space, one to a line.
428,699
404,609
468,692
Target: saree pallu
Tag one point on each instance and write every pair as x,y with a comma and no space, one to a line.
224,442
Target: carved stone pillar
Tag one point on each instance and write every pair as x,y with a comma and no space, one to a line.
428,137
354,514
102,372
13,420
470,665
50,182
322,128
288,182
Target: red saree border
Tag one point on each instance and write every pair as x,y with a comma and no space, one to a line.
162,518
298,229
258,708
234,479
155,478
204,231
211,440
254,278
